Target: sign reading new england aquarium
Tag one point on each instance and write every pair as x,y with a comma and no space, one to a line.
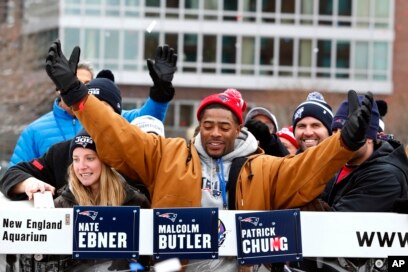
106,232
268,237
186,233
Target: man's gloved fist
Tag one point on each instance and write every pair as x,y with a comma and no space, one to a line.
260,131
162,71
354,130
63,73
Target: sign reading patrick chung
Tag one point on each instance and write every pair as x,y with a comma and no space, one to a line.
106,232
268,237
186,233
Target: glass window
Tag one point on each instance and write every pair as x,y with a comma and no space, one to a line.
210,48
382,8
343,58
266,55
362,13
285,56
230,5
248,50
191,4
210,9
305,57
172,40
249,5
382,11
172,8
92,42
190,47
131,8
150,44
186,115
191,9
288,9
152,8
71,39
131,45
380,60
344,11
93,7
361,60
248,54
112,7
190,52
285,52
170,115
228,52
211,4
306,10
325,10
268,5
324,56
288,6
111,44
111,53
153,3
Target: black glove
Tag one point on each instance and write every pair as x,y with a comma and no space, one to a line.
162,72
260,131
63,73
354,130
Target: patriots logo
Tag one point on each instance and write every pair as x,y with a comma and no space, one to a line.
91,214
298,113
171,216
224,98
253,220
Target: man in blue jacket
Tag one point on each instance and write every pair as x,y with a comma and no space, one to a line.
60,124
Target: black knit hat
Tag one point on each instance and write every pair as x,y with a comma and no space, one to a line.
106,90
315,106
82,139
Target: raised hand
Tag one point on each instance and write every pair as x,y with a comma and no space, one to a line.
63,73
162,71
354,130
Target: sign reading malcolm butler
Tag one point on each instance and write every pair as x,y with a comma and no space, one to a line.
185,233
268,237
106,232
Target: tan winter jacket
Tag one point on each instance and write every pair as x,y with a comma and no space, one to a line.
171,168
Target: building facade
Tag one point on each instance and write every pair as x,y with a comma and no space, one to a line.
273,51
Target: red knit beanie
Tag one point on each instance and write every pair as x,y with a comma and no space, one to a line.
287,133
234,102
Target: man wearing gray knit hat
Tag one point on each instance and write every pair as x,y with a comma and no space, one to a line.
312,121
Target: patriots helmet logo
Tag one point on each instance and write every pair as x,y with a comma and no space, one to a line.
91,214
253,220
171,216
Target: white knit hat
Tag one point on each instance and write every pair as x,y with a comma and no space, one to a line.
149,124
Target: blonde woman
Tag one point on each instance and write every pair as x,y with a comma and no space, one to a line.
91,182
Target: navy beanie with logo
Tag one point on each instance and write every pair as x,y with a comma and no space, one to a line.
106,90
82,139
315,106
341,116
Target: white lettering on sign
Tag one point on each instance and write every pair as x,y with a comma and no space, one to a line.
102,239
183,228
189,241
264,245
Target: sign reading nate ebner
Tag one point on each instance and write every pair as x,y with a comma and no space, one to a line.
106,232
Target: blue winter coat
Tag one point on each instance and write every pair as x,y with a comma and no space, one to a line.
58,125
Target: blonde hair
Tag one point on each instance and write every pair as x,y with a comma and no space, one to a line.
111,188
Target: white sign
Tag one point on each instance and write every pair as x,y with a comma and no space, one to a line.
26,231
